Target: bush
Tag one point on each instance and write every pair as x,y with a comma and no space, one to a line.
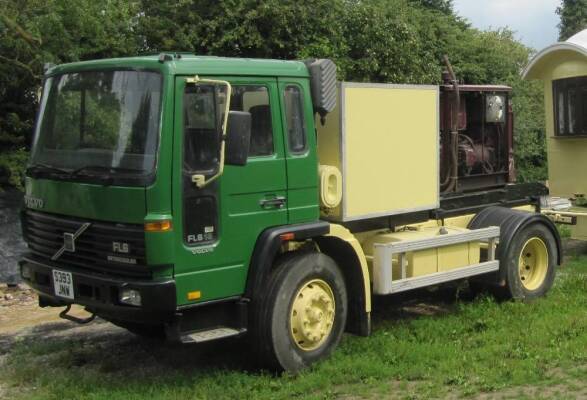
12,166
397,41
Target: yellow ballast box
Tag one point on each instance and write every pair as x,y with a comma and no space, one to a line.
429,261
385,141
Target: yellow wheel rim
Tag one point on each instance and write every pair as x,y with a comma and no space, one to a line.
533,263
312,315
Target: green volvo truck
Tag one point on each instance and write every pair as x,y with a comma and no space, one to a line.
199,198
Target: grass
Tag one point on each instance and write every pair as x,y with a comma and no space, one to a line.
564,231
465,348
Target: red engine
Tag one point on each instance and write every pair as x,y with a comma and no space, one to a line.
476,140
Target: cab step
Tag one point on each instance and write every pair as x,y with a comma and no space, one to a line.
211,334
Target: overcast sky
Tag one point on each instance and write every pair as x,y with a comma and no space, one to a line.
534,21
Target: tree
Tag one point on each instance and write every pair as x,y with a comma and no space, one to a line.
398,41
35,32
573,14
444,6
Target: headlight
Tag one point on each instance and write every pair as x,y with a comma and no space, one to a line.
131,297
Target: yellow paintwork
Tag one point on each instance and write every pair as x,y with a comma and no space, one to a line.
428,261
533,263
579,231
312,315
330,187
384,139
461,221
567,157
329,145
342,233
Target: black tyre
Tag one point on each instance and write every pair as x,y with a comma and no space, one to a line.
301,317
530,263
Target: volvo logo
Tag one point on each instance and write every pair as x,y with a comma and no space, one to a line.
33,202
69,241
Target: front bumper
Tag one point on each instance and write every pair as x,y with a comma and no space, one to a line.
100,294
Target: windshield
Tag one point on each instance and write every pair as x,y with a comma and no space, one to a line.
104,121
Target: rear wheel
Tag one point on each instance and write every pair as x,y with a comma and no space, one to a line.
531,263
303,314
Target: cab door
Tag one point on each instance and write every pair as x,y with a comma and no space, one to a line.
300,140
219,224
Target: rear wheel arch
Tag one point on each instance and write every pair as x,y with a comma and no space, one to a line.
347,256
515,224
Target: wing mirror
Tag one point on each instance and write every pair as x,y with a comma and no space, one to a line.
238,137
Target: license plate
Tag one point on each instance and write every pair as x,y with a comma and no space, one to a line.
63,284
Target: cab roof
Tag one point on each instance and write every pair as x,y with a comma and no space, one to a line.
190,64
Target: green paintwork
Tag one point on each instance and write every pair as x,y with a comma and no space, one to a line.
302,169
218,270
192,64
106,203
221,271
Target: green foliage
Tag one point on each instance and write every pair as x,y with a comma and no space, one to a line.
36,32
13,164
573,15
529,135
399,41
444,6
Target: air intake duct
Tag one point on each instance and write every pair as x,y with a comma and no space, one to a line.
323,84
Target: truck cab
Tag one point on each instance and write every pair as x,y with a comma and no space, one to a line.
109,191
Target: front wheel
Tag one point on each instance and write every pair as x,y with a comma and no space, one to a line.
303,314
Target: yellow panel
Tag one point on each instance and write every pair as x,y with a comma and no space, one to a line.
423,262
457,256
390,149
344,234
429,261
579,231
329,151
567,157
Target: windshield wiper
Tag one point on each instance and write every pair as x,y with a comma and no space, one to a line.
100,172
40,167
100,168
105,178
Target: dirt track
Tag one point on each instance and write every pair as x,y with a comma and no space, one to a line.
21,316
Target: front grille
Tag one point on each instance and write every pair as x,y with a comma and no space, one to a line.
94,248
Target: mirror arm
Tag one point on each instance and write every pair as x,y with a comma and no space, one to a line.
200,179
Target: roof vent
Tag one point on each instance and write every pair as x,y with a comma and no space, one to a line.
165,57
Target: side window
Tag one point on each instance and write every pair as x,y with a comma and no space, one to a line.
203,106
294,119
570,106
255,100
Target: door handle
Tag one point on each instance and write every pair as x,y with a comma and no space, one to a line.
273,202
